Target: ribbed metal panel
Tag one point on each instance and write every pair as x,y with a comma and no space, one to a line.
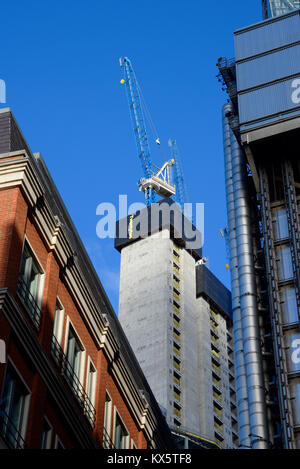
267,35
265,102
273,66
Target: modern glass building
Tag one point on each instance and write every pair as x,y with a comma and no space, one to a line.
272,8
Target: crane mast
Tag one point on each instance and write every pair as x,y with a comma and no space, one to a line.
181,195
138,121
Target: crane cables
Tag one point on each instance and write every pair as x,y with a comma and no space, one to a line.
149,119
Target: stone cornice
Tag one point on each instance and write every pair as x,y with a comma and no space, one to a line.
17,169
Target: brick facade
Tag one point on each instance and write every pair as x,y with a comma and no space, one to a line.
29,346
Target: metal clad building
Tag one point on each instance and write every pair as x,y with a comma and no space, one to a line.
262,164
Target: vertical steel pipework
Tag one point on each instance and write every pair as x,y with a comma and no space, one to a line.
240,372
248,303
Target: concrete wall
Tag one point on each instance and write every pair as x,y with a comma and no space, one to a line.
146,314
144,308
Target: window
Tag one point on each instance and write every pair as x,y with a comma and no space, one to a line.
289,305
91,392
30,284
58,443
107,422
177,409
58,321
57,330
46,440
121,434
14,409
280,223
284,262
74,359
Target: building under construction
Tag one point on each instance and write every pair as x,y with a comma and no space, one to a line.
177,317
261,125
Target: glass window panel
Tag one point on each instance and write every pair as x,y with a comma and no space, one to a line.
289,306
281,230
46,435
91,382
284,262
12,407
121,434
74,354
58,322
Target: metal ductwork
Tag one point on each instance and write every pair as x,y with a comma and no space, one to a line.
240,371
248,303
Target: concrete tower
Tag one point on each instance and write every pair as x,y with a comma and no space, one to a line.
179,325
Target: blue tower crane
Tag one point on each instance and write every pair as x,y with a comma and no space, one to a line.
138,122
181,194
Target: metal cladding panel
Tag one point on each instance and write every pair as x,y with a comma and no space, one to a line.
273,66
209,286
269,101
162,215
267,35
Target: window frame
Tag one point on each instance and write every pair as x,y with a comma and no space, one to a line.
60,321
81,373
48,443
108,413
58,441
92,398
127,441
27,398
42,276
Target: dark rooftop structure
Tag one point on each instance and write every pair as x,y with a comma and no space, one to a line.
208,286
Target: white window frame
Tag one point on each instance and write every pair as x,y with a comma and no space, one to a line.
83,353
60,321
50,437
133,445
110,416
58,440
23,429
127,442
41,285
92,398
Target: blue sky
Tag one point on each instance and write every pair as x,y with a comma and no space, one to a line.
60,64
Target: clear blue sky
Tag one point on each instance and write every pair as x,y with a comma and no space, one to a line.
60,64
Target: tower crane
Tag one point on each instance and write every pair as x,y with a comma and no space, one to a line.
155,180
181,194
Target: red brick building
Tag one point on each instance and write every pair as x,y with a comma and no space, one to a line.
70,379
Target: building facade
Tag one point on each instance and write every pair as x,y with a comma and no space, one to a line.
261,125
272,8
180,335
70,378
